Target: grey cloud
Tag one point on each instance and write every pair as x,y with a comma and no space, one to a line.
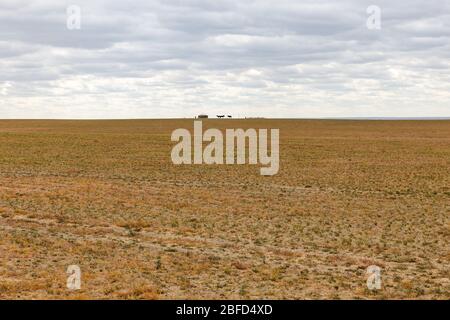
184,55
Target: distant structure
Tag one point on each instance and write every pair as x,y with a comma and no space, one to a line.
202,116
221,116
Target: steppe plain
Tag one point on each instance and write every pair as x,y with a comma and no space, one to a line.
105,195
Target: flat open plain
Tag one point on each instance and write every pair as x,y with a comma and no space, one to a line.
105,195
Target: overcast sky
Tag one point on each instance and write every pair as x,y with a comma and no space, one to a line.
151,59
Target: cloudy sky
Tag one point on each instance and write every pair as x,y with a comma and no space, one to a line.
271,58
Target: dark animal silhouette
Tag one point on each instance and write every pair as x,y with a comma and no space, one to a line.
220,116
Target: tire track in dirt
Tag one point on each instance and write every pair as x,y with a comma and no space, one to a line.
190,244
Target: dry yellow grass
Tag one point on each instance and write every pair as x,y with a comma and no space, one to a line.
105,195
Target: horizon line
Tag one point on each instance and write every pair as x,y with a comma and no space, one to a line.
224,119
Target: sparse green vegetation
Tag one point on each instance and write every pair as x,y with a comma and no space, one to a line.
105,195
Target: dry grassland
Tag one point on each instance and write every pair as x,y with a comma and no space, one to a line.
106,196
